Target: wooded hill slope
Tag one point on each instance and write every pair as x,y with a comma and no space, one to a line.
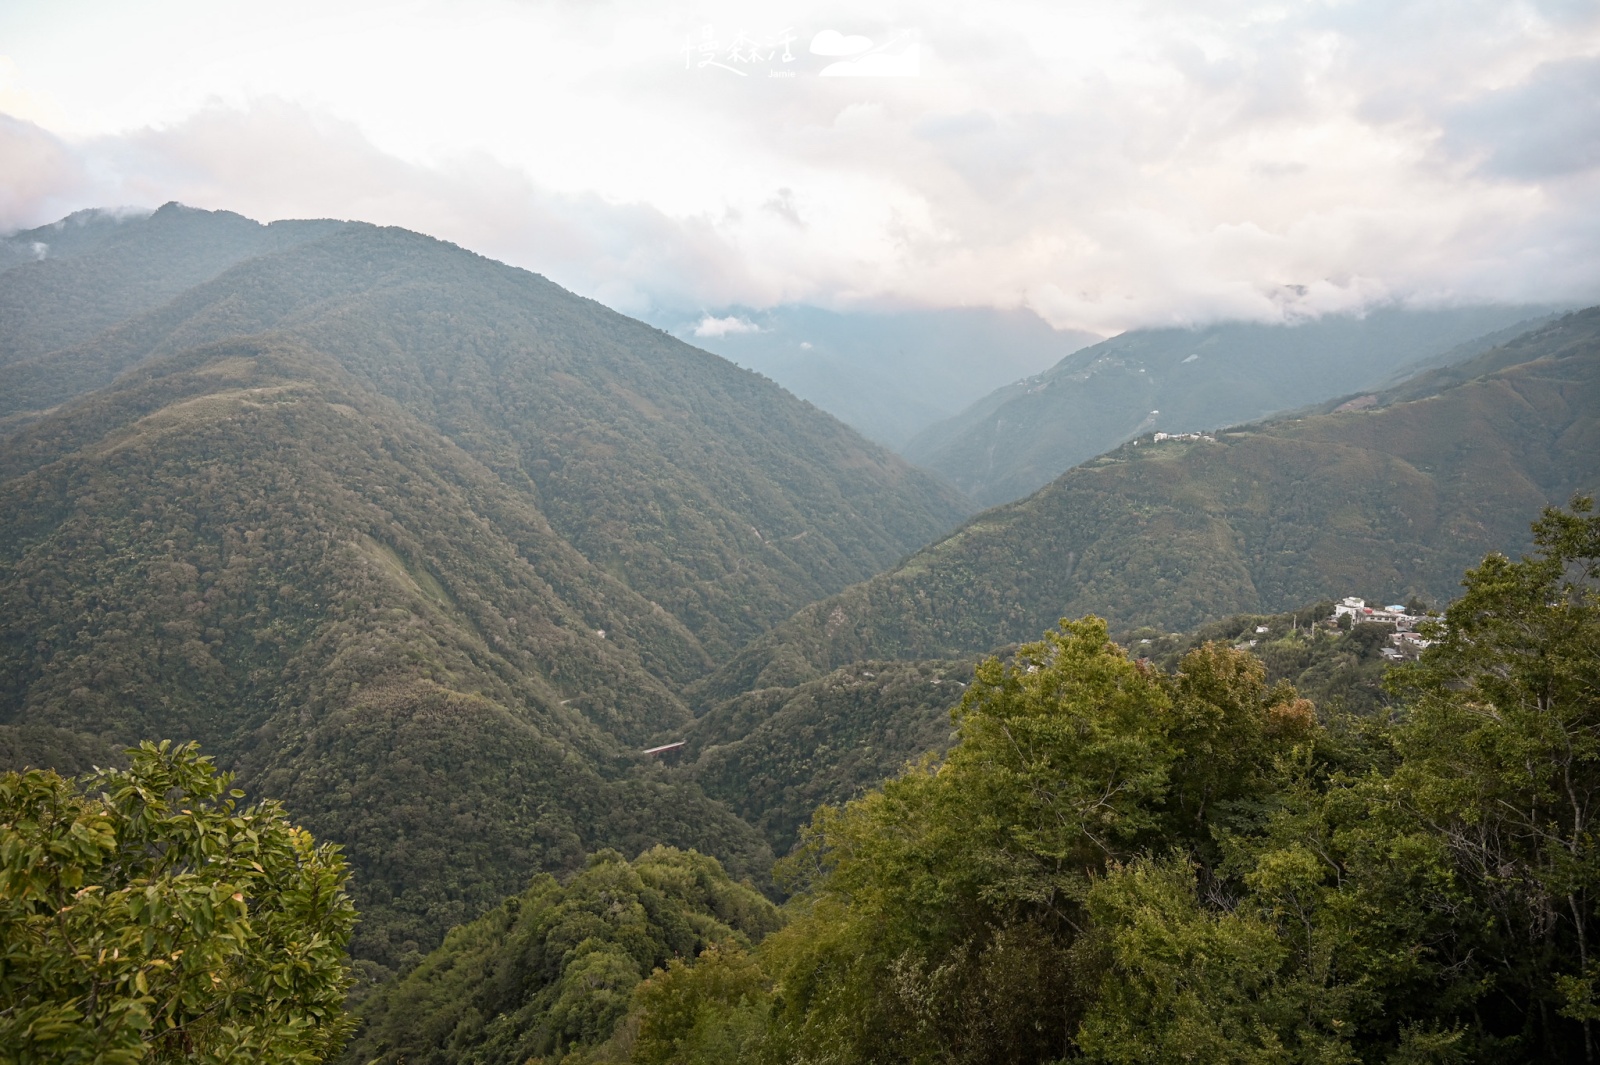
250,551
662,463
1020,437
65,282
776,754
1399,498
425,546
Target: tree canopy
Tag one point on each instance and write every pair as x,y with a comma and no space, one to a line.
552,971
145,916
1119,864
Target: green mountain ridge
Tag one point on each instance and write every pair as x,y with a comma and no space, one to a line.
426,547
560,396
1401,497
376,631
67,281
1024,435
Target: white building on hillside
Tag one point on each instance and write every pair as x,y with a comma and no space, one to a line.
1358,610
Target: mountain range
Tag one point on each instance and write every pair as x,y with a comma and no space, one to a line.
1023,435
890,375
432,549
1396,491
420,543
94,268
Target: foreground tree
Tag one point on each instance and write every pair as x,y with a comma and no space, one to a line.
1501,762
552,974
943,916
1433,898
145,917
1123,866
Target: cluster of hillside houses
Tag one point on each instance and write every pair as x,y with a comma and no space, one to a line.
1404,641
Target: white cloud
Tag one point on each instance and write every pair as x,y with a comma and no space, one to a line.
905,63
1108,165
832,42
40,180
721,327
277,160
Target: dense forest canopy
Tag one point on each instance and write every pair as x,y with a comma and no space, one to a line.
555,969
358,618
1120,864
421,544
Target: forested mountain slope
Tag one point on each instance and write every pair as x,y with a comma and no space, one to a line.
426,547
62,283
776,754
243,547
1024,435
706,488
1399,497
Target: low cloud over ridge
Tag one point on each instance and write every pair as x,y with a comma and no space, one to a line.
1104,166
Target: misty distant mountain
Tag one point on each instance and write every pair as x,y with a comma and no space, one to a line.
888,375
62,283
1024,435
1396,497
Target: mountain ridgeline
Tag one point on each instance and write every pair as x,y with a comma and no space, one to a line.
889,375
1024,435
1400,494
421,544
433,551
67,281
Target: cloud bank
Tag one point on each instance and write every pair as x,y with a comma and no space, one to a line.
710,326
1104,164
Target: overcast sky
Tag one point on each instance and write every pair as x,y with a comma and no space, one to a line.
1109,164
